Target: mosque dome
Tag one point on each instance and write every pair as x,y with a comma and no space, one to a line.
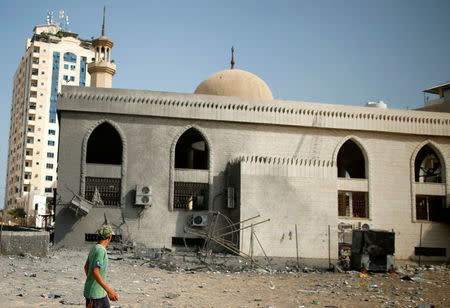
234,82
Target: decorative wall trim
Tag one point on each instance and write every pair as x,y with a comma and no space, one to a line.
124,157
444,169
172,164
257,111
275,160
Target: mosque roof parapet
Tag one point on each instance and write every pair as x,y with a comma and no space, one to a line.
271,112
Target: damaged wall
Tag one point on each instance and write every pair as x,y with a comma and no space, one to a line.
295,183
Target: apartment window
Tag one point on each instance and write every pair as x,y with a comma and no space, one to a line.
429,207
30,141
25,188
72,78
65,77
51,142
66,66
353,204
42,73
72,67
70,57
48,189
51,132
50,154
48,178
49,166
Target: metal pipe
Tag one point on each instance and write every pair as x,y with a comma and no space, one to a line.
246,227
237,223
296,244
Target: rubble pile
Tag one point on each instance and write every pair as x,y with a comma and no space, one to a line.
163,278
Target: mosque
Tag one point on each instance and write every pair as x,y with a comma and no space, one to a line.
265,176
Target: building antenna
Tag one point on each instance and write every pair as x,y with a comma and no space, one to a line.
103,26
232,57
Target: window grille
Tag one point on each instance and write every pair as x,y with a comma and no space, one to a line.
108,189
190,196
353,204
429,207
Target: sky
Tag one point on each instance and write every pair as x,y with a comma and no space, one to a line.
344,52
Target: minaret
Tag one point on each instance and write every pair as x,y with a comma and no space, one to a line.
102,69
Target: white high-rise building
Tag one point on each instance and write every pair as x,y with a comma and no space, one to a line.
53,57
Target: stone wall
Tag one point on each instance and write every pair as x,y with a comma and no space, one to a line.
24,242
286,167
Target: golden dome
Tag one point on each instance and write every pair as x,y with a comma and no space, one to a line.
234,82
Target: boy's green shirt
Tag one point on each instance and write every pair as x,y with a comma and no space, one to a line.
97,257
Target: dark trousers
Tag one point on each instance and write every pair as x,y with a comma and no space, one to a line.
97,302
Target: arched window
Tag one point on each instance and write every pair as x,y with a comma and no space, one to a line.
351,164
70,57
191,151
350,161
103,181
104,146
427,166
191,191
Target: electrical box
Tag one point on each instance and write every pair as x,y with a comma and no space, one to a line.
230,197
143,195
373,250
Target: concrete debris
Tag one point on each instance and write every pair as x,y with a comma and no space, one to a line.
172,295
144,280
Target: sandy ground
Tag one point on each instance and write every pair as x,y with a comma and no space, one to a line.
58,281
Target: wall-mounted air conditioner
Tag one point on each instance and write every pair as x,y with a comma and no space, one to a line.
365,226
143,195
199,220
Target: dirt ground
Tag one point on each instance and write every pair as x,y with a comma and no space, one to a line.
176,280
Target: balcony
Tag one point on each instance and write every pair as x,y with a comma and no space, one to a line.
35,65
34,76
26,182
32,111
27,169
28,157
30,134
31,122
33,88
29,146
35,54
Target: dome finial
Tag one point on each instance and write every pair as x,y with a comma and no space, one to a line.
232,57
103,26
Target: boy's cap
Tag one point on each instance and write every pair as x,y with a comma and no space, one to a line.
105,231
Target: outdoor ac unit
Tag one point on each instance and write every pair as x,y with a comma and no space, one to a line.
230,197
143,195
199,220
365,226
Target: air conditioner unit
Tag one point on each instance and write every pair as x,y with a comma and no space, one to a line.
365,226
230,197
143,195
199,220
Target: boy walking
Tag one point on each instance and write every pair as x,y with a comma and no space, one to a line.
96,291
